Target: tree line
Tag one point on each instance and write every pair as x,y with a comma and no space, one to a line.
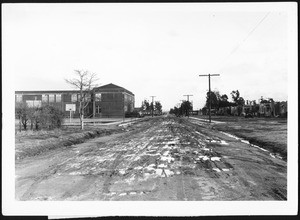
217,101
182,110
222,101
148,107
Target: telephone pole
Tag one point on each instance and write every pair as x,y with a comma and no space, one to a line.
188,111
152,104
209,75
188,97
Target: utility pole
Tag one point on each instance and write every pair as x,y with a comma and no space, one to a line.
188,96
123,106
209,75
152,104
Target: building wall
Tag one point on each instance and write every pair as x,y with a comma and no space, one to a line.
105,102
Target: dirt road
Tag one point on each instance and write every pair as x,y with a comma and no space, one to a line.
161,158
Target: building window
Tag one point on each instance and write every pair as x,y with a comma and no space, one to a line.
98,109
34,103
58,97
51,97
19,98
98,97
44,98
74,97
87,97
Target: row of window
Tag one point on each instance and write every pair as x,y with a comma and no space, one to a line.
51,98
57,97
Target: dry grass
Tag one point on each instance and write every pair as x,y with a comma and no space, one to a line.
31,143
268,133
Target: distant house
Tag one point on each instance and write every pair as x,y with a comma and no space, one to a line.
249,107
105,101
281,109
267,108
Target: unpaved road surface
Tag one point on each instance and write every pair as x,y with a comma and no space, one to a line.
161,158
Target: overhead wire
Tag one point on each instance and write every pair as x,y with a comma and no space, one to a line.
247,36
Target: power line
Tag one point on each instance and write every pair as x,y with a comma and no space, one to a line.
247,36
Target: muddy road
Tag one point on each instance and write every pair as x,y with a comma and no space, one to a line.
161,158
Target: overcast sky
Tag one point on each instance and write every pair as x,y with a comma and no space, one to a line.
150,49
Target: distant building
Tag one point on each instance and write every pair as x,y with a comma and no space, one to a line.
249,107
281,109
267,108
106,101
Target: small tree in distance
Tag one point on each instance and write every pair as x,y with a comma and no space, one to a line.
158,107
84,81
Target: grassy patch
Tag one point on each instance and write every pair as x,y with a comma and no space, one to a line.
268,133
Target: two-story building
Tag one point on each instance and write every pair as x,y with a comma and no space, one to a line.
105,101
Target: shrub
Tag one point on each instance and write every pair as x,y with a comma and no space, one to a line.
47,117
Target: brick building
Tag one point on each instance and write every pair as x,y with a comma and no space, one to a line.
105,101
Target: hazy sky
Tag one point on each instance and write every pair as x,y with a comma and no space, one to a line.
150,49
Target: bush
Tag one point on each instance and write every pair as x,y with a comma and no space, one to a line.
47,117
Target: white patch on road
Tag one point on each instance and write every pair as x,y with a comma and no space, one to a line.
122,171
166,153
253,145
162,165
169,172
217,169
168,158
215,158
244,141
204,157
158,171
224,142
230,135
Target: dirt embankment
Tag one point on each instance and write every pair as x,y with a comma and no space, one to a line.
32,143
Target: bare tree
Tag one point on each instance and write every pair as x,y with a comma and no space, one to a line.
84,81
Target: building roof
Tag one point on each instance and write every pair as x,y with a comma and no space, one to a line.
48,91
111,87
106,88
